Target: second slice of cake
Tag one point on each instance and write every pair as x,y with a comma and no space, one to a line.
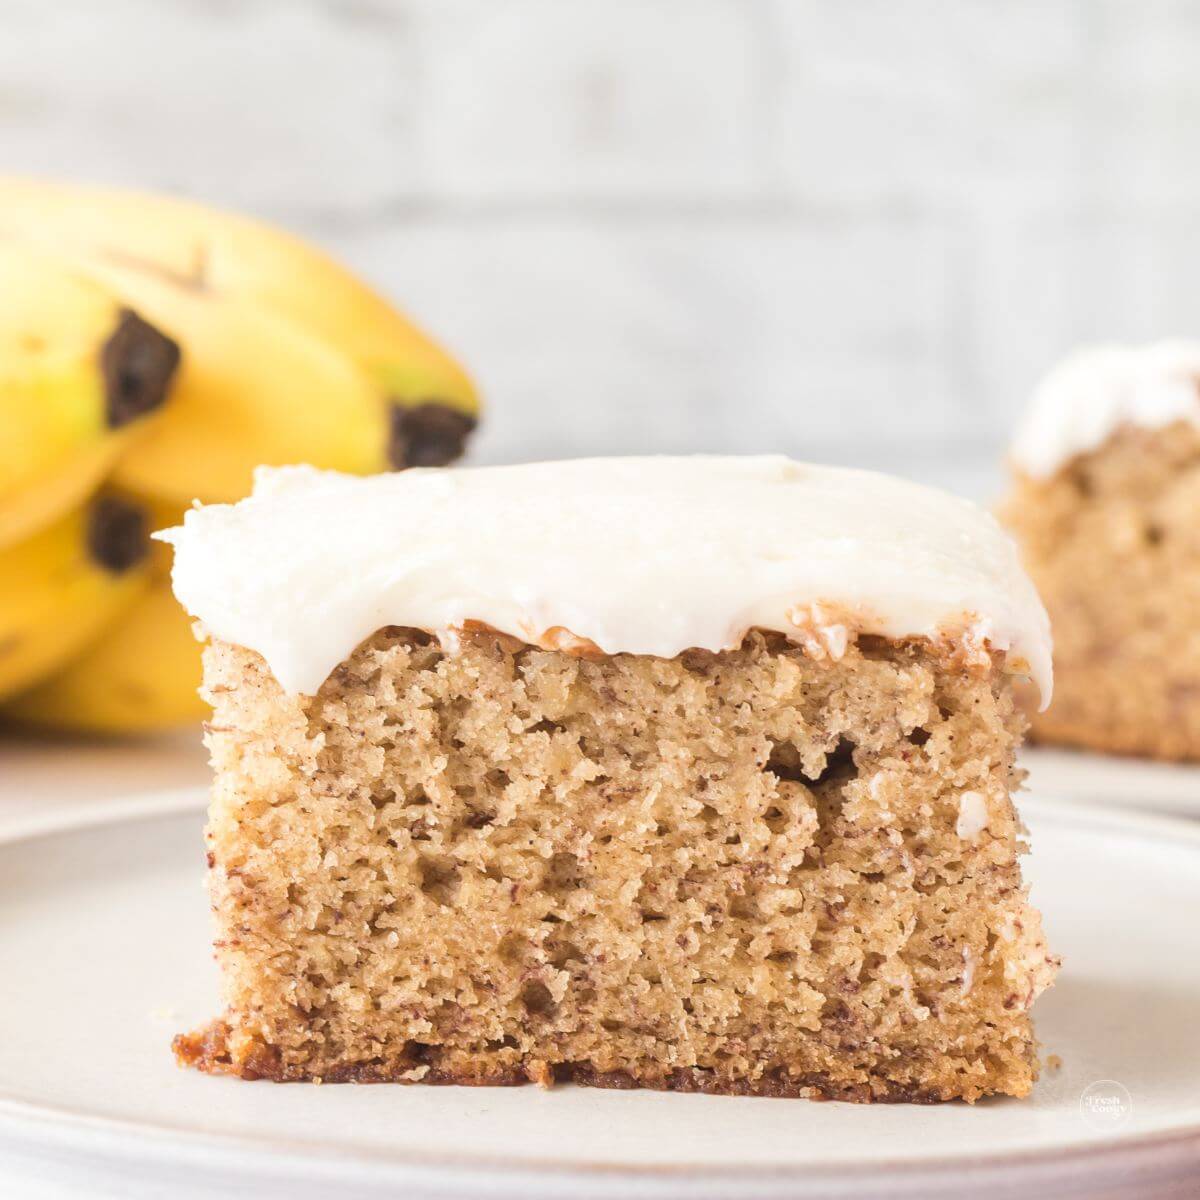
1105,506
684,773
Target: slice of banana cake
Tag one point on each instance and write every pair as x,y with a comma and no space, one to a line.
687,773
1105,505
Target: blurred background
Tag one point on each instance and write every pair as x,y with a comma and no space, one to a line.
850,230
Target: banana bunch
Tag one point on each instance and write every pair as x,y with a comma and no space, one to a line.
154,352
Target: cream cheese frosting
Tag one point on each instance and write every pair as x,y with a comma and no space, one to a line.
1100,389
645,556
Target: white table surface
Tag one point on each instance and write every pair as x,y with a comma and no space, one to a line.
69,773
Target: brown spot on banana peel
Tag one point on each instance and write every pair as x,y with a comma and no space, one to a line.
117,534
429,434
138,363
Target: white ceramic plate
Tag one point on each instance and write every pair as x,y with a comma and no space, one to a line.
103,954
1103,779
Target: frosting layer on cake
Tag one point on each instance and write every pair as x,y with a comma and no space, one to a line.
646,556
1096,391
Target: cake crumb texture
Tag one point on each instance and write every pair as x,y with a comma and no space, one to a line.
1112,541
731,872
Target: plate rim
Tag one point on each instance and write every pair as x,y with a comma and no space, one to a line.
1132,783
57,1123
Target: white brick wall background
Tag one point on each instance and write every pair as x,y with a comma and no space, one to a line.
847,229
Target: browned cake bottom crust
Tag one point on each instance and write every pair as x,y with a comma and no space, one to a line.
208,1050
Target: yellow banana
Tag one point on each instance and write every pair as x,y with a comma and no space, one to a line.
252,388
61,587
141,675
191,258
79,374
